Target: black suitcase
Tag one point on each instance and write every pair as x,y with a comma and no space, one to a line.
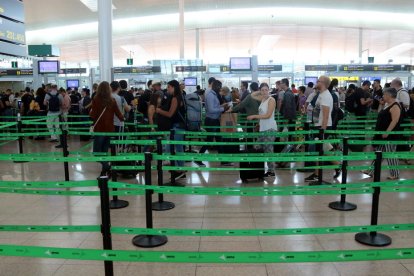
257,168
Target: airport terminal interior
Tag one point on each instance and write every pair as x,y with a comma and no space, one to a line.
206,137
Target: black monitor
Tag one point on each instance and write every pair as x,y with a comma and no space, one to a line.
48,66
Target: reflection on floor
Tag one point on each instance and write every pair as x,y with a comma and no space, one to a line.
200,212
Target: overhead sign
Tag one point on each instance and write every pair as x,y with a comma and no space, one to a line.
270,68
181,69
11,31
67,71
373,67
224,68
325,68
16,72
138,70
12,9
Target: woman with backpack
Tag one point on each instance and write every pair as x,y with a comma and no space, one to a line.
103,110
175,115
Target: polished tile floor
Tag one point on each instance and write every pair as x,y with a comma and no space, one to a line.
199,212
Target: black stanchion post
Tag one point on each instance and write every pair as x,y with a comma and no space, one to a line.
161,205
65,153
20,139
374,238
172,152
116,203
149,241
342,205
106,222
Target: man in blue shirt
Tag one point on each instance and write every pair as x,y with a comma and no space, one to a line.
214,108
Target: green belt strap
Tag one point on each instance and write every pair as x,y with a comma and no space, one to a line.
206,257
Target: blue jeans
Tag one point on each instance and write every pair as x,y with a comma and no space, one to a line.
101,145
178,148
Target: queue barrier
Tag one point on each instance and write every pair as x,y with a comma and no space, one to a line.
110,255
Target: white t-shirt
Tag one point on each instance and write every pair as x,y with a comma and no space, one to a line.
120,102
403,97
324,99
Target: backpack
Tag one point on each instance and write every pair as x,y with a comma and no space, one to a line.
337,112
193,108
351,103
410,111
54,103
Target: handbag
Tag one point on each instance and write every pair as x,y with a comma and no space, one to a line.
91,129
228,122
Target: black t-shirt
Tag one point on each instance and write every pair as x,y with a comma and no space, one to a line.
41,101
127,96
377,96
361,110
4,99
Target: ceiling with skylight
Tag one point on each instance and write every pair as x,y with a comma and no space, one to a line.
279,31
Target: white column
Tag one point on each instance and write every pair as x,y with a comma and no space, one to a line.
181,9
37,78
105,39
360,45
255,69
197,43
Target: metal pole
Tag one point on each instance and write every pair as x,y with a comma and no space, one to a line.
161,205
149,241
115,202
181,27
343,205
20,139
106,222
374,238
65,153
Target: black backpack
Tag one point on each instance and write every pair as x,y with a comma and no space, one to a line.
410,111
350,102
54,103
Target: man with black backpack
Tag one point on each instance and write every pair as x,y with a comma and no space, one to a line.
54,101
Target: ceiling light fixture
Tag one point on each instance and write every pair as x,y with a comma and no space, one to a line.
93,5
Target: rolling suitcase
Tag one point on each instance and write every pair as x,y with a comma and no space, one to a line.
257,168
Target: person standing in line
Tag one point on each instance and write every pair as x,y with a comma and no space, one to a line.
66,105
363,100
323,117
309,89
103,110
243,90
377,95
53,101
302,99
267,122
389,120
214,108
402,95
288,109
176,115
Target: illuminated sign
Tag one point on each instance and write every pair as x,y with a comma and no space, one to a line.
16,72
72,71
181,69
137,70
324,68
377,67
270,68
12,9
12,31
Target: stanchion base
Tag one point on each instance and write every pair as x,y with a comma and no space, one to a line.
375,239
317,183
20,162
118,204
342,206
149,241
162,206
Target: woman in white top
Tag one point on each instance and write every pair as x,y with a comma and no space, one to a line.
267,122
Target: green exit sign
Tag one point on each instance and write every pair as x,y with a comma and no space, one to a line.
14,64
130,61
